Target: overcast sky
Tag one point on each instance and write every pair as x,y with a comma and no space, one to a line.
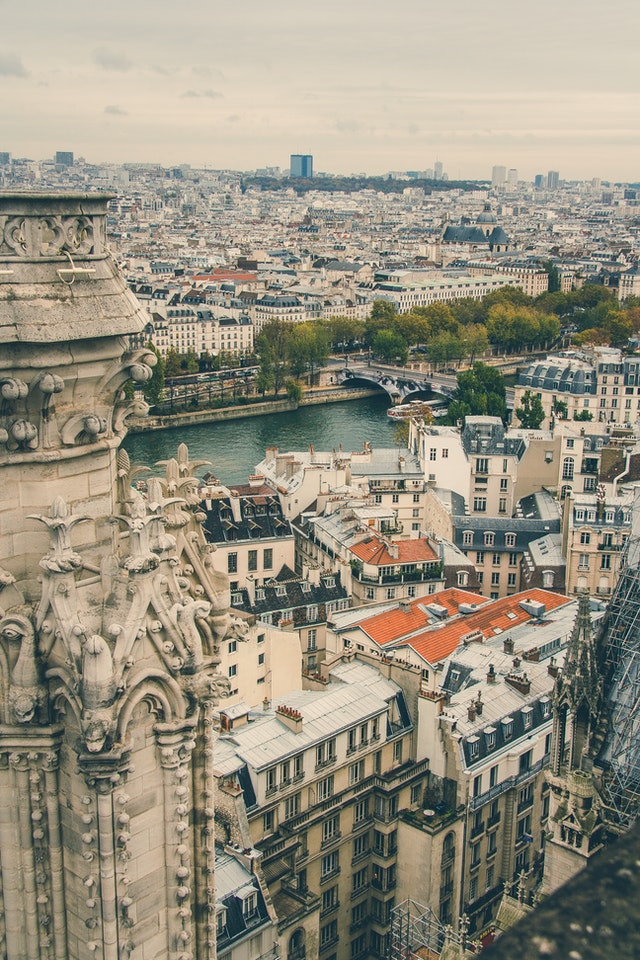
364,86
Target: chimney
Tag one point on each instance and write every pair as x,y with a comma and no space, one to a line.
250,584
552,669
491,674
471,711
479,705
516,663
270,454
266,704
519,682
508,645
291,718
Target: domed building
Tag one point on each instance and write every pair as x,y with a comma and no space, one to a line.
486,235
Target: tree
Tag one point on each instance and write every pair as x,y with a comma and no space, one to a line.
190,362
585,415
172,365
294,390
153,389
480,392
389,346
531,413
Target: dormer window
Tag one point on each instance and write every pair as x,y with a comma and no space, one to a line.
329,582
489,539
490,737
248,896
305,586
259,593
281,591
474,747
507,728
221,920
545,703
467,538
527,717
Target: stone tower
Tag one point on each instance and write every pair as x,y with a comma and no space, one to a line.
576,821
110,617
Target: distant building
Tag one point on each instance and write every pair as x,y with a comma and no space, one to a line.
5,158
498,176
64,158
553,179
539,181
301,165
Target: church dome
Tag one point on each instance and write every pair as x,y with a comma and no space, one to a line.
487,215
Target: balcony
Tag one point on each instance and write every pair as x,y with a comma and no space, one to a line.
477,830
493,821
525,804
446,889
399,576
515,781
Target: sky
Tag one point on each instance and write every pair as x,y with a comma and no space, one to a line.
363,86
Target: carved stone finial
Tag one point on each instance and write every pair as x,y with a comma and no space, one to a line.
61,557
27,696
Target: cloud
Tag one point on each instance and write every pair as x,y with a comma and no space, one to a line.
110,60
115,111
11,66
197,94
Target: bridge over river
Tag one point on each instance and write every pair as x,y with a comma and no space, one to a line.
401,384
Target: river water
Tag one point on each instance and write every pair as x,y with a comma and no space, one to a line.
236,446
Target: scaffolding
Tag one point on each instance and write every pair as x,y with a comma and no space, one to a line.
417,934
620,644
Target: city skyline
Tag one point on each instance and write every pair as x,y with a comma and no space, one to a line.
393,89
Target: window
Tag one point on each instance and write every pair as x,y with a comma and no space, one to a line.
493,775
232,563
504,484
260,659
416,498
364,734
497,557
467,538
232,646
331,829
361,811
292,806
298,769
511,580
359,913
502,505
585,537
583,562
513,559
328,933
272,779
325,789
391,593
221,921
489,539
356,772
445,453
507,728
432,453
567,468
473,888
482,465
479,556
395,498
311,639
495,579
360,879
267,558
477,785
329,864
524,762
268,822
359,946
480,504
233,670
415,512
250,905
605,561
329,899
361,845
397,751
252,560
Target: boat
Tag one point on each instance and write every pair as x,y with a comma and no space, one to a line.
415,408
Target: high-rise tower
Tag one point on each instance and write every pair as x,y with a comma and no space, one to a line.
110,615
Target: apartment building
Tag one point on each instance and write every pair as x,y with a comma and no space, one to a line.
526,277
245,920
595,530
316,784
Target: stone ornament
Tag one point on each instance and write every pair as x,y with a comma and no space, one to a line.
50,236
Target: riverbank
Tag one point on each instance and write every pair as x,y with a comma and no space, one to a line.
194,417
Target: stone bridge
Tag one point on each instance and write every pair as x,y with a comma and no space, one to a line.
398,386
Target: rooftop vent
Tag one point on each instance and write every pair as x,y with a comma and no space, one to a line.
437,610
534,608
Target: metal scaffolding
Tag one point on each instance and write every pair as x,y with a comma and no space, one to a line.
620,644
417,934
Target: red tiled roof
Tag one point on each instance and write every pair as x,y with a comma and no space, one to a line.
440,640
375,551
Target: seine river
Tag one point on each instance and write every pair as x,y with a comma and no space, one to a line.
236,446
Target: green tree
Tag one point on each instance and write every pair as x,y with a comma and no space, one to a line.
479,392
190,362
153,389
585,415
172,365
274,339
389,346
294,390
531,413
554,275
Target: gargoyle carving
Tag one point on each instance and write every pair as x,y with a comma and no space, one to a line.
27,695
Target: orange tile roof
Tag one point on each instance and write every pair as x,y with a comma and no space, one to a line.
440,640
393,625
374,550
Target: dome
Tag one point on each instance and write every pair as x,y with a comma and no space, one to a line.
487,215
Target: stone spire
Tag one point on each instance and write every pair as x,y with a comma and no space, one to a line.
111,613
578,691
